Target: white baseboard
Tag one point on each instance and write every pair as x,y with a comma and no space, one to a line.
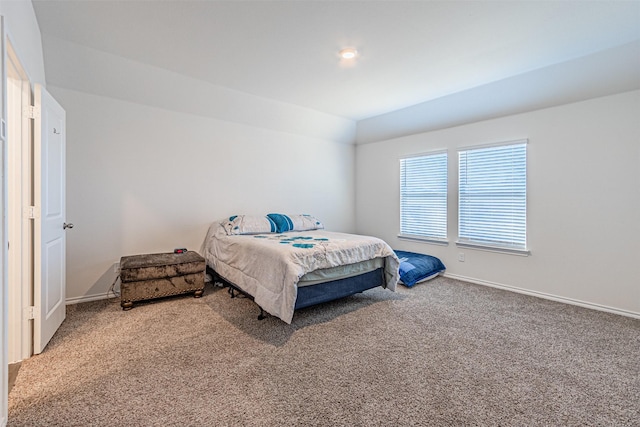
87,298
571,301
544,295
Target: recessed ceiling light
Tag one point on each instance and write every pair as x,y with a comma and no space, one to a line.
348,53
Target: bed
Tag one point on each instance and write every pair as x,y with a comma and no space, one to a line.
288,262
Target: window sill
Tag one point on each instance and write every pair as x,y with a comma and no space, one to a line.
424,239
488,248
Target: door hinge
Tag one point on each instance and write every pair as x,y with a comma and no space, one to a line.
31,112
29,313
31,212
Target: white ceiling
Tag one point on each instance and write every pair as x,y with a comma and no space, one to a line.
410,52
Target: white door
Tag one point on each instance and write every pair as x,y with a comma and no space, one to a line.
49,225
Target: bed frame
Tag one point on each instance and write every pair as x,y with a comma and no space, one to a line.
320,293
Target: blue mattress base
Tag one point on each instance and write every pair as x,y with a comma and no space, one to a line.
322,292
329,291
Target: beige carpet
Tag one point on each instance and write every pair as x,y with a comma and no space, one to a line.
445,353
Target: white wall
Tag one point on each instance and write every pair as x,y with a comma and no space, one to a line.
23,31
153,157
143,179
583,200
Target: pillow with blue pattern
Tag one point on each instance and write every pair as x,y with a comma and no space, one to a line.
416,268
286,223
248,224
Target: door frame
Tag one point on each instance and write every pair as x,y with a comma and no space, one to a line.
20,196
4,279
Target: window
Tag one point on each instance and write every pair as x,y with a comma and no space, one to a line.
492,198
423,197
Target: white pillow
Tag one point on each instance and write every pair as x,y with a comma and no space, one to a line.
248,224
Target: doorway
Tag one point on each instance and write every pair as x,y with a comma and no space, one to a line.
19,196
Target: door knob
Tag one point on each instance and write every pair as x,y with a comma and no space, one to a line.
65,225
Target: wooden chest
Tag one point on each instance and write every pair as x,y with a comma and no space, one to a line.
151,276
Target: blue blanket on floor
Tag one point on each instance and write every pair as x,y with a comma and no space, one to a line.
415,268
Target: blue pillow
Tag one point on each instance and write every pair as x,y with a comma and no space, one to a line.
286,223
415,267
283,222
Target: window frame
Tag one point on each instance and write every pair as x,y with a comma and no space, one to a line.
487,244
441,239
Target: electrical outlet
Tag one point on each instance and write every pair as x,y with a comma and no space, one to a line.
461,257
116,267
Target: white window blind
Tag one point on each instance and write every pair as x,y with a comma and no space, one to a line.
492,205
423,196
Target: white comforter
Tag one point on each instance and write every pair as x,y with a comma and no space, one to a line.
268,266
